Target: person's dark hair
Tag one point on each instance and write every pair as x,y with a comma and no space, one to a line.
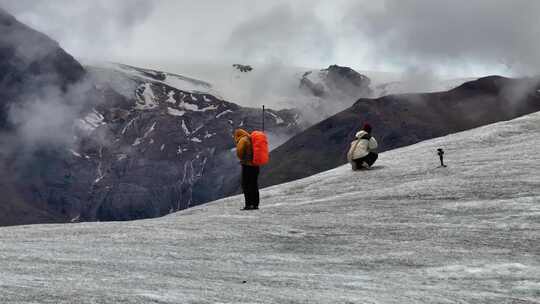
367,127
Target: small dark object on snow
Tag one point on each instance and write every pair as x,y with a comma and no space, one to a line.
243,68
440,152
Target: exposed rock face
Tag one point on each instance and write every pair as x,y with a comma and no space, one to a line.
139,143
400,120
167,149
158,151
336,82
329,91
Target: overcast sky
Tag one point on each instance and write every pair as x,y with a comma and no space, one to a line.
457,37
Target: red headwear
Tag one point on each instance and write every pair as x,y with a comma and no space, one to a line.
367,127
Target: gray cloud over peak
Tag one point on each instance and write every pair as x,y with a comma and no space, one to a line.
86,28
465,37
457,32
282,35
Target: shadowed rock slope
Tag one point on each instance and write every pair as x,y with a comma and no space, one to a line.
31,66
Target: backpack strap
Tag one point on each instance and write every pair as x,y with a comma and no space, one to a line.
366,136
248,151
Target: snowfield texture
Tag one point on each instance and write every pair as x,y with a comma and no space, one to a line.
405,231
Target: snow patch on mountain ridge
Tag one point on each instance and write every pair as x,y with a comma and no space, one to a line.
176,81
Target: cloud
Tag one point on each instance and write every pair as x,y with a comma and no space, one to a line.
149,31
282,34
85,28
451,34
46,118
460,37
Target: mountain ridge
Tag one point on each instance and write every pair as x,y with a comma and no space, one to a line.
110,143
400,120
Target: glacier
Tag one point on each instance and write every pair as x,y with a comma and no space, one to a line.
405,231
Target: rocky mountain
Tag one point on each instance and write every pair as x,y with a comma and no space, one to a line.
32,67
111,142
322,93
316,93
400,120
336,82
168,144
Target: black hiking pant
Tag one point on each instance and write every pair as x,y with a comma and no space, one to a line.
368,159
250,185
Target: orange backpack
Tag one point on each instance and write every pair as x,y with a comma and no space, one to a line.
259,142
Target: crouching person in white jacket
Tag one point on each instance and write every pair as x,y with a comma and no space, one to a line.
362,151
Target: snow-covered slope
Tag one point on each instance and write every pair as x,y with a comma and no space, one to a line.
403,232
176,81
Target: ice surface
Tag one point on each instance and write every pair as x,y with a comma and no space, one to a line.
128,125
405,231
75,153
276,118
121,156
224,113
209,135
137,141
150,130
188,106
148,100
170,97
179,82
197,129
94,118
193,107
90,122
209,108
185,128
175,112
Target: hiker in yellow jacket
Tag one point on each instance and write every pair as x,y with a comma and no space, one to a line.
250,172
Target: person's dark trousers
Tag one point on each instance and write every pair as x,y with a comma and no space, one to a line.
368,159
250,185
